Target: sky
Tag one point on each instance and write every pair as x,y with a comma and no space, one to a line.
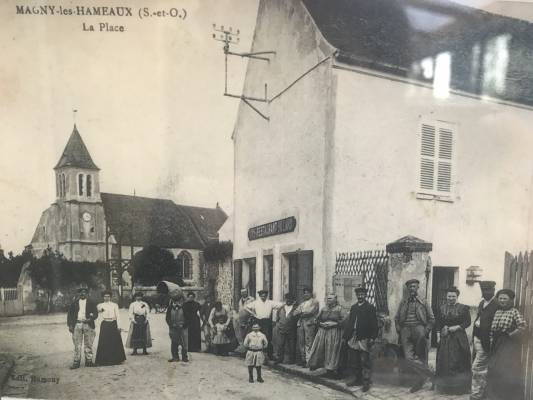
149,101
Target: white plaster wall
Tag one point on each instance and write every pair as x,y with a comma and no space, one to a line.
376,171
279,164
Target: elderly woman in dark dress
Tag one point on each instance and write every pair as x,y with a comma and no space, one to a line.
505,379
453,374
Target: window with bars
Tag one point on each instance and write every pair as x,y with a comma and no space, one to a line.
437,148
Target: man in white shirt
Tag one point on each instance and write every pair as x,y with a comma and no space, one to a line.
262,309
80,321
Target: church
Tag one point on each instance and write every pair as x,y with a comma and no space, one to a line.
85,224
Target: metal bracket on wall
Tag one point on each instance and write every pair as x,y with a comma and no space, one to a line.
230,36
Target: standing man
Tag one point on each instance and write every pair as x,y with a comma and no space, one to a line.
359,332
307,313
261,309
178,323
481,339
80,321
241,317
414,321
286,324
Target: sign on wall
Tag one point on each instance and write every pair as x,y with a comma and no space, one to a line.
279,227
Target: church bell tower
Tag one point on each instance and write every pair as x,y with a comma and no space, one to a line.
81,225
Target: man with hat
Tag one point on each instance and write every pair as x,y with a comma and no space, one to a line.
80,321
481,339
241,317
286,326
359,333
414,321
261,309
178,323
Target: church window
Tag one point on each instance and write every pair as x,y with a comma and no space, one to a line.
80,184
89,185
62,185
185,265
58,190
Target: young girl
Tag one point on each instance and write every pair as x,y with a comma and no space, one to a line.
255,342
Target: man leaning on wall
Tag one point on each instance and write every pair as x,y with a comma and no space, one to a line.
414,321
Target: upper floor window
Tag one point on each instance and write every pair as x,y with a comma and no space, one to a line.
89,185
62,185
80,184
185,265
437,151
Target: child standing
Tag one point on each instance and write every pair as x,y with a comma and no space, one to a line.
255,342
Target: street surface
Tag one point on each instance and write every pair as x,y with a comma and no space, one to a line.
43,347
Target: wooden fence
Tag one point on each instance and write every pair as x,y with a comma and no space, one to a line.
518,276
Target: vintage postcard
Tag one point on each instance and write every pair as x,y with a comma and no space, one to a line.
266,199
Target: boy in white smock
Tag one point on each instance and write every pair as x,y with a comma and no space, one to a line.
255,343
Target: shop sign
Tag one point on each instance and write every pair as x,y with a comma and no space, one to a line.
279,227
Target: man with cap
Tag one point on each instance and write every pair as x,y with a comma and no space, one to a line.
80,321
414,321
178,321
481,339
261,309
360,331
241,317
286,326
307,313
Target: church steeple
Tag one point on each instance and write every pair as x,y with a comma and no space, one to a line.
77,176
76,154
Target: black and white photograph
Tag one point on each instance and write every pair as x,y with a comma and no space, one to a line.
266,199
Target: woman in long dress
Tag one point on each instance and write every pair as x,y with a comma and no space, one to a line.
192,309
453,368
505,378
110,350
219,321
139,334
326,348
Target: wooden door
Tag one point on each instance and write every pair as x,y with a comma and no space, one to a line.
304,273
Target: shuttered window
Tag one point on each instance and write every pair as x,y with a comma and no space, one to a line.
437,142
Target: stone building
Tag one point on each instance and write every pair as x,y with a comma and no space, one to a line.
383,119
85,224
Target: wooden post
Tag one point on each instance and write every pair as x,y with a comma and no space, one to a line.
507,270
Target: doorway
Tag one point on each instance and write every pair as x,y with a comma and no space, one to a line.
443,278
268,274
300,271
248,276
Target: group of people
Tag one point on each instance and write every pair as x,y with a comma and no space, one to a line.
183,318
319,338
324,338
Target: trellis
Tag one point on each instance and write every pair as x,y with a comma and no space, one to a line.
372,265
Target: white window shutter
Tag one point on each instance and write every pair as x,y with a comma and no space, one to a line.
427,161
444,172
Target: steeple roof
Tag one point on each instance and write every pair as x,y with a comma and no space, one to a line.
76,154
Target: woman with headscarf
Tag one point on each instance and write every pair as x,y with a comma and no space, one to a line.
219,321
139,334
505,378
326,348
110,350
192,309
453,374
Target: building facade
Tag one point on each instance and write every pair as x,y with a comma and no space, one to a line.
381,126
84,224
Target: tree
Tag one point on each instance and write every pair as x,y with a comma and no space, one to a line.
153,264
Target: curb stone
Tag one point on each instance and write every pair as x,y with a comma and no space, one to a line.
6,366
